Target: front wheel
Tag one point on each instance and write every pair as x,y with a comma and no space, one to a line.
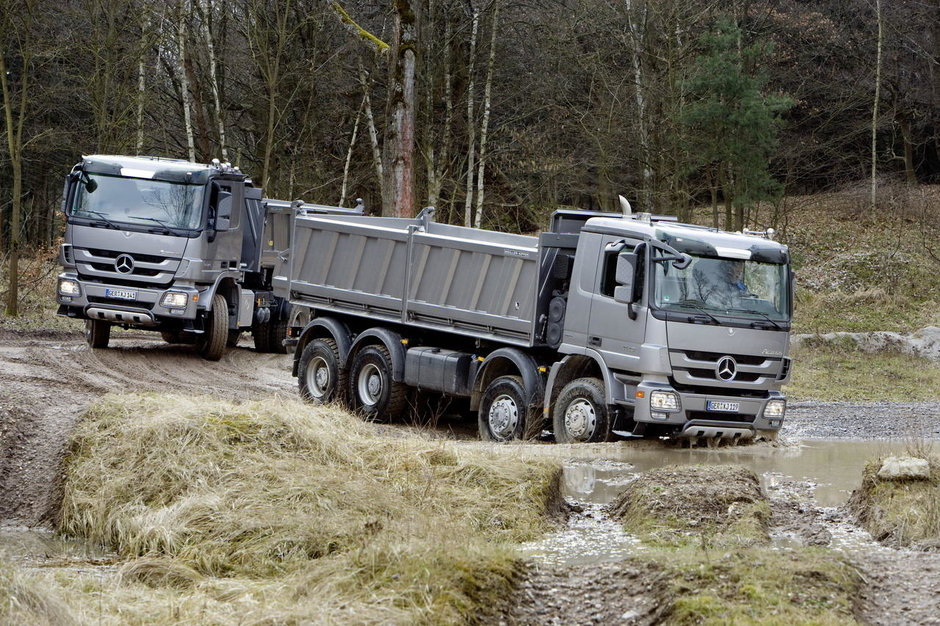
319,376
97,333
504,414
580,414
211,343
372,392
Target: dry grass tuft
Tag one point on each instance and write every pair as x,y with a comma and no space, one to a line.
277,492
25,600
901,512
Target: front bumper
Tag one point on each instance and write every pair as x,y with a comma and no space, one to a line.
96,301
695,417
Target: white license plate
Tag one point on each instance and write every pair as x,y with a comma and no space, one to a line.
727,407
121,294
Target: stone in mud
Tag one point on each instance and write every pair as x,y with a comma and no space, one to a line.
904,468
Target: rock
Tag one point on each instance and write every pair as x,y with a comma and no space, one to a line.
904,468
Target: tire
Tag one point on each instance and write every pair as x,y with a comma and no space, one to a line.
277,333
233,336
319,376
97,333
211,343
372,392
261,333
580,414
503,414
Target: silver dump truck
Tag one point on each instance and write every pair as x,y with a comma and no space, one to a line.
182,248
605,323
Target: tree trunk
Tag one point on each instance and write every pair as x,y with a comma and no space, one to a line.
214,77
874,111
437,162
373,133
399,199
471,127
184,80
349,154
15,148
484,125
904,121
646,174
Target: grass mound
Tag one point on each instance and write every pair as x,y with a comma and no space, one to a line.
707,530
899,512
307,498
679,504
24,600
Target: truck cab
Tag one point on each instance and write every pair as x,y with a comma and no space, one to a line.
168,246
687,326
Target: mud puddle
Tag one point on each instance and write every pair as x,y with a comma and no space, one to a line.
819,474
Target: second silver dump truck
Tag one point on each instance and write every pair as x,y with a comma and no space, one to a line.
605,323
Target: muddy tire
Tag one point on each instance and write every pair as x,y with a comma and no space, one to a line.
580,414
277,333
503,414
97,333
211,343
319,376
372,392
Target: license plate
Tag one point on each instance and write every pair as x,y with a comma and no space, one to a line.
121,294
727,407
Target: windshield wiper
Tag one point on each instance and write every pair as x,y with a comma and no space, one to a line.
104,217
170,230
765,316
693,304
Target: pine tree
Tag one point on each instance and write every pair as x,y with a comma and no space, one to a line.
732,123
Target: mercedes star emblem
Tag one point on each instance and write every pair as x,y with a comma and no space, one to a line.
727,369
124,264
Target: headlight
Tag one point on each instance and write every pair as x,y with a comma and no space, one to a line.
775,409
664,401
174,300
69,287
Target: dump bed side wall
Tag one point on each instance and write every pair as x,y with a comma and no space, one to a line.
462,280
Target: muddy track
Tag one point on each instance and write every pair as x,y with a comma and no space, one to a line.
47,380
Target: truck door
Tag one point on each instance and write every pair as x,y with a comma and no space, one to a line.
226,207
611,332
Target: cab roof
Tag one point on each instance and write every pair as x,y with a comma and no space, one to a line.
172,170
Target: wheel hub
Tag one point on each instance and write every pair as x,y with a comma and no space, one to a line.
370,384
580,419
319,380
503,416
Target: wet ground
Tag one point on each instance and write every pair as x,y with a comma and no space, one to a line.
47,380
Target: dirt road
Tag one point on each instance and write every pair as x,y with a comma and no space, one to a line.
47,380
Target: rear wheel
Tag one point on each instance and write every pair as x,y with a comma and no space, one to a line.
503,414
319,376
211,343
97,333
580,414
372,392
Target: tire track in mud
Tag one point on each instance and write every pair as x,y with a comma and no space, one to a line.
47,382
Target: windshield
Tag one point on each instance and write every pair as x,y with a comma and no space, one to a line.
717,286
140,201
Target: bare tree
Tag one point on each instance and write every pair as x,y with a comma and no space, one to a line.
398,188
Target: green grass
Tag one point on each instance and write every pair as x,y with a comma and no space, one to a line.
280,510
706,528
840,371
900,512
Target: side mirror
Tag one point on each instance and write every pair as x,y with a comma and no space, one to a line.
626,277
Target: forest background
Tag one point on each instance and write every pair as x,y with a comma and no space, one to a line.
497,112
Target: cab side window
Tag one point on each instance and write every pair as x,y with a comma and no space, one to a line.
609,272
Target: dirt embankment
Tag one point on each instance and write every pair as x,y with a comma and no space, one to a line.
48,378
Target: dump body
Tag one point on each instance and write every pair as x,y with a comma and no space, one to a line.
413,271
